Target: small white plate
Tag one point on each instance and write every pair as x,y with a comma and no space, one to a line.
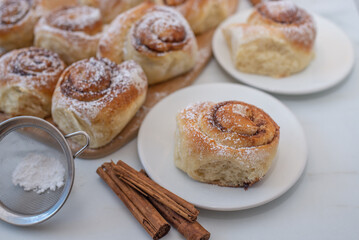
334,58
156,146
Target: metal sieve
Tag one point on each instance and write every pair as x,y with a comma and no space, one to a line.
19,137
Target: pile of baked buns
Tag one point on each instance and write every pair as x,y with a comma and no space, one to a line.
88,63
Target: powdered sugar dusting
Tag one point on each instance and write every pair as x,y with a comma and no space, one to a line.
296,24
75,18
31,68
304,33
276,8
85,27
240,110
194,125
121,78
79,36
164,24
13,11
161,29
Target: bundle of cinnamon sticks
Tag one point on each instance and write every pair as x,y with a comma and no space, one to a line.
151,204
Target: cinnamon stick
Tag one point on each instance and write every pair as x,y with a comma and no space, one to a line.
138,205
152,189
190,230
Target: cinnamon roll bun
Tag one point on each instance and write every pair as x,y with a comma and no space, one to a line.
72,32
17,22
99,97
156,37
110,8
202,15
228,143
277,40
28,78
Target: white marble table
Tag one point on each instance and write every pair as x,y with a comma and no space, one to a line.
323,204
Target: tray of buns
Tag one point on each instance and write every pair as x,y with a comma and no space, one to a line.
116,70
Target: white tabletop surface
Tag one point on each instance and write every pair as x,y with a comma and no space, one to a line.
323,204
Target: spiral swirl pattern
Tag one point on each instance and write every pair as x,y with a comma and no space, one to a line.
13,11
89,79
28,77
81,18
98,96
229,143
237,124
160,31
35,62
286,13
295,23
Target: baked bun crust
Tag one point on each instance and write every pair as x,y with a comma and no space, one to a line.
277,40
72,32
255,2
156,37
202,15
44,7
228,143
110,8
17,22
28,78
99,97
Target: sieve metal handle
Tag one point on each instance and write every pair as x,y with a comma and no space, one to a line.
85,146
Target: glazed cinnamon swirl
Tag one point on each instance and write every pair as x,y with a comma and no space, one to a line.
228,143
202,15
72,32
99,97
110,8
277,40
17,22
156,37
27,80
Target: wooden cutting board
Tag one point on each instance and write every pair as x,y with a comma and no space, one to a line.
154,95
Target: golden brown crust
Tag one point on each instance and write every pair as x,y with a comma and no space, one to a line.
94,79
238,124
215,138
156,37
99,97
202,15
159,31
44,7
255,2
72,32
33,74
110,8
112,42
75,20
17,21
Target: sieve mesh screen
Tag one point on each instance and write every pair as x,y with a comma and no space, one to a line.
14,197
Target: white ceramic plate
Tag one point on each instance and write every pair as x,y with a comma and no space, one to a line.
334,58
156,146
